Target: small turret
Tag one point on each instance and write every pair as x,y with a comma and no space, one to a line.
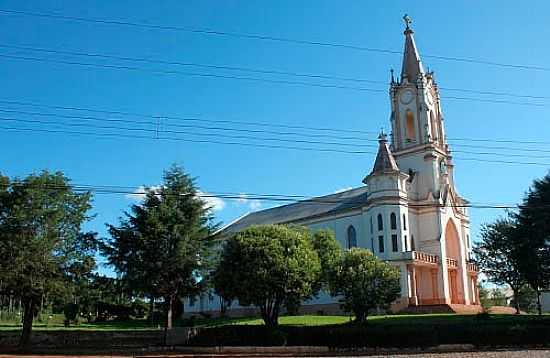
385,162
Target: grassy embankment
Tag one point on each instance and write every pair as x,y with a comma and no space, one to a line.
55,322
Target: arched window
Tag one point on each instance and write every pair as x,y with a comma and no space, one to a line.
404,222
352,237
380,222
394,246
393,221
409,122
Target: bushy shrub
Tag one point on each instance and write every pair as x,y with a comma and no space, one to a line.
484,333
71,312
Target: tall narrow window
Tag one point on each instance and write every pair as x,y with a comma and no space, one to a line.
352,237
406,243
413,247
409,121
380,222
394,247
404,222
393,221
381,243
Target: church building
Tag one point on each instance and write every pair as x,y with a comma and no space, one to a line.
408,211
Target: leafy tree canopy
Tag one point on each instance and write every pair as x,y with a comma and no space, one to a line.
40,238
268,266
161,247
330,255
497,255
533,236
365,283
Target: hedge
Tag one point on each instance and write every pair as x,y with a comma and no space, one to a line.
396,336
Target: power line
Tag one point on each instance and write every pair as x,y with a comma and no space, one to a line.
203,75
257,131
251,79
246,144
252,70
267,38
293,198
141,115
194,126
119,135
248,123
151,130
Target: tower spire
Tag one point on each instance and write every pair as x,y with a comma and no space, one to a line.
412,66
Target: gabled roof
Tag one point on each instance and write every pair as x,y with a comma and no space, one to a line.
322,205
412,65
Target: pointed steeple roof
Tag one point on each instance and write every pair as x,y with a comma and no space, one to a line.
412,65
385,162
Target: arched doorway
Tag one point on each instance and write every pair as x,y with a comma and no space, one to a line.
454,260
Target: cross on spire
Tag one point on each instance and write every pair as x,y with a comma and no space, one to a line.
407,21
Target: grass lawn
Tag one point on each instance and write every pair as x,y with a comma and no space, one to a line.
56,322
409,320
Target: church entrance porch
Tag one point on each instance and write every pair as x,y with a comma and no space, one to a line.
423,283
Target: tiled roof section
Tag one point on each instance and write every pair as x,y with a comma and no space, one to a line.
323,205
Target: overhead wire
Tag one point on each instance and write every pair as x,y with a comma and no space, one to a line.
254,131
252,70
292,198
247,78
155,135
266,38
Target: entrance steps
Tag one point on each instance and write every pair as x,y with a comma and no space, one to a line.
443,308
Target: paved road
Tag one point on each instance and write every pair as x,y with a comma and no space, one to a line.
497,354
492,354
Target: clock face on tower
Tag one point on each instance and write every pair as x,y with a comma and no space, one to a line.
406,97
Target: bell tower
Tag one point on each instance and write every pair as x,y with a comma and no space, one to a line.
418,135
416,112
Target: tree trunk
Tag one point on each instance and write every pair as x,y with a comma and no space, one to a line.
169,311
152,310
28,316
516,301
360,316
270,313
539,307
169,301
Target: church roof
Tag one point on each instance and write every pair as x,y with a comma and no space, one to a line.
412,65
322,205
385,162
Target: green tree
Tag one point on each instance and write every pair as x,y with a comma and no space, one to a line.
330,255
365,283
268,266
162,246
527,298
497,256
41,238
533,236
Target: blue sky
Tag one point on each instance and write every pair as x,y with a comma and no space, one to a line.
492,30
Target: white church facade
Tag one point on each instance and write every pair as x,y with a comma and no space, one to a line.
408,212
